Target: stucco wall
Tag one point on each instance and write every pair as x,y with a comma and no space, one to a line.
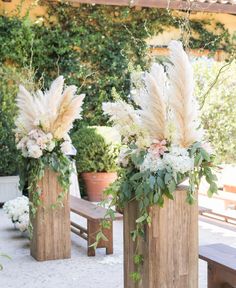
162,39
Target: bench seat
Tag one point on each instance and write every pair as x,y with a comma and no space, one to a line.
221,261
94,215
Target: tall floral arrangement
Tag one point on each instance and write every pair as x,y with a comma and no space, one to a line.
42,126
162,139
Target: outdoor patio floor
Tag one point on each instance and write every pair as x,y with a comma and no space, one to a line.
80,271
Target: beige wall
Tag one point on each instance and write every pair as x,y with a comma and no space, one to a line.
228,20
10,8
162,39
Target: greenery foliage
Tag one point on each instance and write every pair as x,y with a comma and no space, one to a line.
93,46
32,171
149,188
10,78
217,114
94,153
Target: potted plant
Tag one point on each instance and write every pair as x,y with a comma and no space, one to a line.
96,159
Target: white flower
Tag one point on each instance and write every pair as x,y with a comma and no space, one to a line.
51,146
178,151
34,151
66,147
152,163
23,222
123,159
178,159
18,211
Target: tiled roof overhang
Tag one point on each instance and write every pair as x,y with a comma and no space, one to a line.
214,6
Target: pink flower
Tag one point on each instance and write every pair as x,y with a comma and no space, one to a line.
158,148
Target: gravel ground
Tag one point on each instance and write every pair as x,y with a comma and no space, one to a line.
80,271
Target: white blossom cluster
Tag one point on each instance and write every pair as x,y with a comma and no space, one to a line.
123,157
18,211
35,142
152,163
177,158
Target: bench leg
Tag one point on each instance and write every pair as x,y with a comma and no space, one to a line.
93,229
220,278
109,235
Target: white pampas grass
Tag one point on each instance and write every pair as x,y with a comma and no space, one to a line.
125,118
152,102
181,96
159,96
53,111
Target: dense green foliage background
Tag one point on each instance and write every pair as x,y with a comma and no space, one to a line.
93,46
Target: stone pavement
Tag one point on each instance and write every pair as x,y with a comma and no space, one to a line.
80,271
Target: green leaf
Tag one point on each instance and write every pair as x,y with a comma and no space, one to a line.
141,219
205,155
152,181
171,186
136,176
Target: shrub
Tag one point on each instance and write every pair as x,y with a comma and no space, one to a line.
95,153
218,112
10,78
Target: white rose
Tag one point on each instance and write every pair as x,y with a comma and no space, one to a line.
66,147
34,151
51,146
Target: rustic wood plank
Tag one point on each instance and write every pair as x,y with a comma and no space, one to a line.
89,210
220,254
77,226
51,227
93,229
220,278
79,233
171,246
173,4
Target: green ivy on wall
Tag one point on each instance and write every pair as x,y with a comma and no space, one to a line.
93,46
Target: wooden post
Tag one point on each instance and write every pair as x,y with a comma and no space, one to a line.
170,247
51,227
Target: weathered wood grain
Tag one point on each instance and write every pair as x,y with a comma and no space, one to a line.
171,246
51,227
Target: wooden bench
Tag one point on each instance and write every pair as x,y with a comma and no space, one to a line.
94,215
221,261
223,217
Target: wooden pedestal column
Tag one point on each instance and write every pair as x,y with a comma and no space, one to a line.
170,248
51,227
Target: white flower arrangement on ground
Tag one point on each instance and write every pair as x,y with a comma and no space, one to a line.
18,211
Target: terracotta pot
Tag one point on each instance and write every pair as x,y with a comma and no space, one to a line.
230,188
96,183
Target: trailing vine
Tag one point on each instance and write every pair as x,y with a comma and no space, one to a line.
32,172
